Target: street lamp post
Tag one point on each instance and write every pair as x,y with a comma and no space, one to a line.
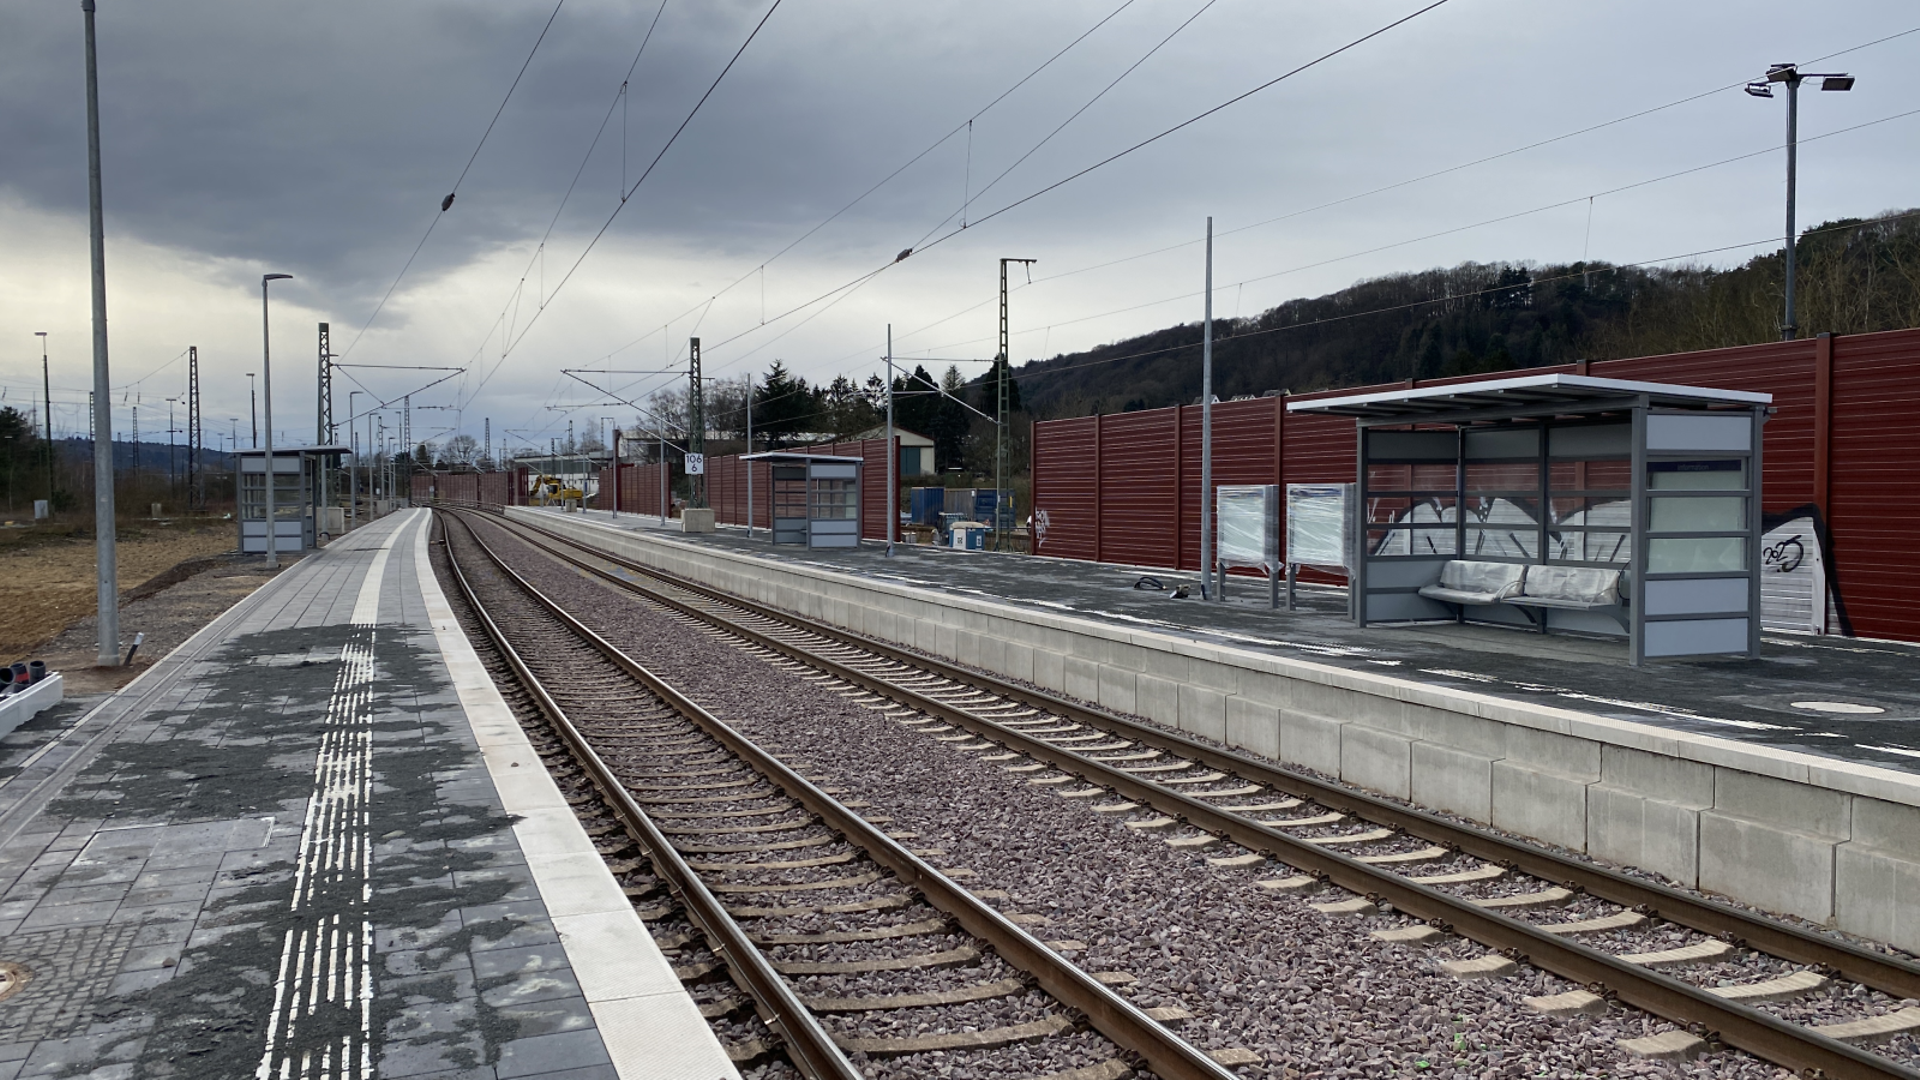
1792,76
266,378
46,387
106,568
353,472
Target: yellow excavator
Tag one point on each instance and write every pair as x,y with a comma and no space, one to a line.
553,491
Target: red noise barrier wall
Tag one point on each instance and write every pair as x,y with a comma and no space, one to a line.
1842,465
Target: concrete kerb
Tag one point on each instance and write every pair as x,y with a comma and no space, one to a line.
1623,791
626,980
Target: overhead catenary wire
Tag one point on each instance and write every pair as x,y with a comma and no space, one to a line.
446,203
1488,159
509,346
1033,373
1500,219
965,125
1102,163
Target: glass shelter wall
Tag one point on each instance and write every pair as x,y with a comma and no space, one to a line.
1562,503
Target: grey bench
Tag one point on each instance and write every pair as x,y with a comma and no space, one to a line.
1464,581
1569,588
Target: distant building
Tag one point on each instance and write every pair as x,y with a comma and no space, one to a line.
916,450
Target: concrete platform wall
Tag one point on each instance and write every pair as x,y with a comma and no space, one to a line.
1823,839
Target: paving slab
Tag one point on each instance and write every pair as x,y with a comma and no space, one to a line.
281,850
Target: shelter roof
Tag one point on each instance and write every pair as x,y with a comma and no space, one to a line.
289,451
1536,395
798,455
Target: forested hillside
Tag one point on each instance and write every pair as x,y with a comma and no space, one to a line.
1853,276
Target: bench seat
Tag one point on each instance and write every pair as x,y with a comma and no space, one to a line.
1463,581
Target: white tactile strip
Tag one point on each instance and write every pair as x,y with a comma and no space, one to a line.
650,1025
325,980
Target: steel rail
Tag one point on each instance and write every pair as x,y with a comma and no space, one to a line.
808,1046
1168,1055
1733,1023
1891,975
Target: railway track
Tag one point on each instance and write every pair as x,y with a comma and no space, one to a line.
1526,904
857,954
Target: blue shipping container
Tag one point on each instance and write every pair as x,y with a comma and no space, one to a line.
985,502
925,505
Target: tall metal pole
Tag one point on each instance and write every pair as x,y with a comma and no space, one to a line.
749,451
107,578
353,471
663,474
1206,433
253,407
696,424
196,436
1790,328
266,379
616,470
893,456
323,425
1003,374
46,384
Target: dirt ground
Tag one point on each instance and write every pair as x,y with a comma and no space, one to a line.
167,616
173,579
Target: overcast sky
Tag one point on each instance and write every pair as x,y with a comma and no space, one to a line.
319,139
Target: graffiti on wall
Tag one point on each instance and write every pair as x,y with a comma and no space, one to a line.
1797,587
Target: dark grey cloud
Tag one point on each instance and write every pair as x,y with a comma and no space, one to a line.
320,138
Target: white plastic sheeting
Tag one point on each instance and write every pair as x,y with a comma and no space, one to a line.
1320,525
1248,525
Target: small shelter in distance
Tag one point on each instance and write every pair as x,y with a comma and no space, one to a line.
816,498
1562,502
298,473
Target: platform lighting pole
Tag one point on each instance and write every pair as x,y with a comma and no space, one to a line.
1003,372
1792,76
353,471
893,455
46,383
266,378
253,408
107,577
1206,433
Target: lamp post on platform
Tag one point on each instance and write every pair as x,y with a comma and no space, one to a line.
1792,76
266,379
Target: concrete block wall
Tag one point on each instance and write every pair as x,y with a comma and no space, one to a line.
1826,840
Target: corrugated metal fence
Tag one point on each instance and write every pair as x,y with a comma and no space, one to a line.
1842,448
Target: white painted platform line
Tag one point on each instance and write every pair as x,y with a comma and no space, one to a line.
650,1025
322,1020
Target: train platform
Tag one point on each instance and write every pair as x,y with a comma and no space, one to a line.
1845,698
313,841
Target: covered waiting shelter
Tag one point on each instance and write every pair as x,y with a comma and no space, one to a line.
816,498
298,475
1562,502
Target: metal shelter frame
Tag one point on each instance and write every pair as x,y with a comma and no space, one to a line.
1661,482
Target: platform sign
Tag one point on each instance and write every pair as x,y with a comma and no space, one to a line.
696,464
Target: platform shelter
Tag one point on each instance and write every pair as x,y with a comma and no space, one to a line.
1562,503
298,475
816,498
